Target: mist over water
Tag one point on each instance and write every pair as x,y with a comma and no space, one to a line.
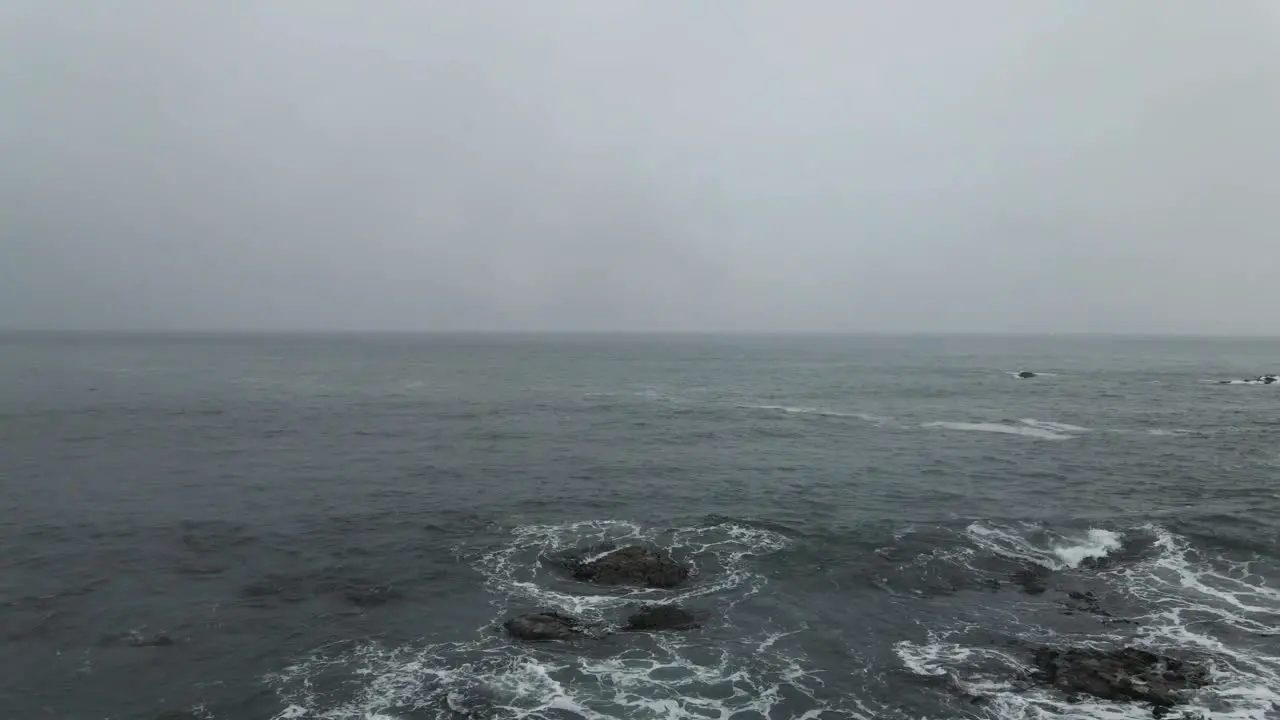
262,528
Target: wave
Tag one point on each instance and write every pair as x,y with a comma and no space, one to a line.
1060,553
1027,427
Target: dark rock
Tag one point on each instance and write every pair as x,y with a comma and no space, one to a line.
1032,580
632,565
1128,674
1026,374
1097,563
662,617
543,626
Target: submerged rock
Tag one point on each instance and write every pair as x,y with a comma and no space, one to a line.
633,565
542,626
1032,580
662,617
1128,674
153,641
370,596
1026,374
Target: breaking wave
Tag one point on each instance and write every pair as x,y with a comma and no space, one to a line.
1060,552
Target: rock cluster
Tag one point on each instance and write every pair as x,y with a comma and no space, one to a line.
632,565
1127,674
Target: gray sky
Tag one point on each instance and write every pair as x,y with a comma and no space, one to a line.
1060,165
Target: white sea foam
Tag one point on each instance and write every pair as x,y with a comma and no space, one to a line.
820,412
1053,426
1027,427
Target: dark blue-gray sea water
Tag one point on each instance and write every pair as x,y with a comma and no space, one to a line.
307,527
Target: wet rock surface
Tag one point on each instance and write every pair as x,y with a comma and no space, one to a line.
662,617
543,626
632,565
1127,674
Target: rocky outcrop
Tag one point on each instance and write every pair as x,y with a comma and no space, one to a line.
543,626
633,565
662,617
1128,674
1260,380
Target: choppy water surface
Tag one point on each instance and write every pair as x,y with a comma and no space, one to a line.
307,527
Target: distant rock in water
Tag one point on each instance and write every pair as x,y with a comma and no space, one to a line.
1260,380
662,617
633,565
542,626
1026,374
1122,675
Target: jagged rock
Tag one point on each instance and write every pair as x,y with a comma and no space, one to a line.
1128,674
542,626
662,617
633,565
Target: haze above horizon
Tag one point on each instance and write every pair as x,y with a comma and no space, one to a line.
820,168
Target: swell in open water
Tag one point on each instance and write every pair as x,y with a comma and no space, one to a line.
334,527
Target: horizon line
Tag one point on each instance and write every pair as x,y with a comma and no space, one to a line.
340,332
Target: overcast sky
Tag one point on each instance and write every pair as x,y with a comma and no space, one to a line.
1059,165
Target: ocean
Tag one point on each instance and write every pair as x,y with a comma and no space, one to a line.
319,527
